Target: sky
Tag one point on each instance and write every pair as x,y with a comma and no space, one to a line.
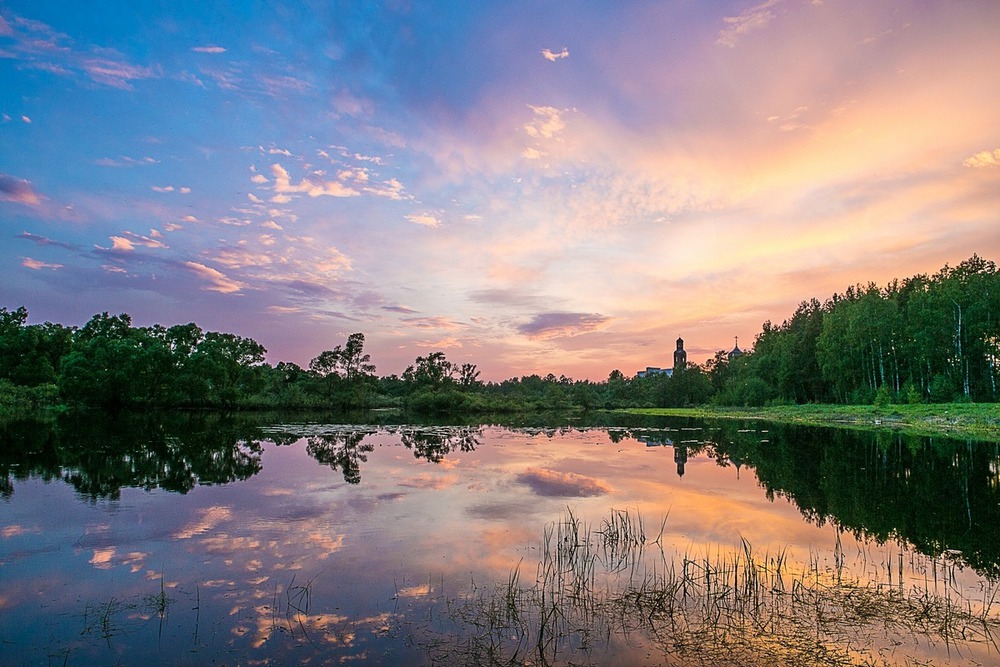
532,187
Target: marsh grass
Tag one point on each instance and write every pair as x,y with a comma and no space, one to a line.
609,594
968,420
118,617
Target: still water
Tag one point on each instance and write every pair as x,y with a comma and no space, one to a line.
194,540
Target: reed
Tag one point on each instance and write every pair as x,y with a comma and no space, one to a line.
600,592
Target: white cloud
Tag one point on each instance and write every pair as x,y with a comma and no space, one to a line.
426,219
283,185
547,123
116,74
552,57
208,49
122,244
755,18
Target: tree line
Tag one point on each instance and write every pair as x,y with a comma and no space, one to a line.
927,338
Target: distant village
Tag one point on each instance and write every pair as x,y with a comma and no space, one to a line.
680,360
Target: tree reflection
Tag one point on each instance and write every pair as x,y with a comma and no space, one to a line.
101,456
342,450
940,495
434,445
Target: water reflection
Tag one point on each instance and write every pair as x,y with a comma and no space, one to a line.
248,539
100,457
937,494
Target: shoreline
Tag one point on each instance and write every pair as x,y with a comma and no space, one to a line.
964,420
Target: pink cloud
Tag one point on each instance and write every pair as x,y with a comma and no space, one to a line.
551,483
561,325
17,190
218,281
38,265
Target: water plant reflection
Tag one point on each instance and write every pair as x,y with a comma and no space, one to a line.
739,606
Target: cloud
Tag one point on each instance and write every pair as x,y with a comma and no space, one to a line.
41,240
208,49
17,190
434,323
551,483
984,159
129,240
391,189
400,309
125,161
547,124
561,325
283,185
38,265
218,282
425,219
121,244
166,188
552,57
117,74
755,18
334,261
208,519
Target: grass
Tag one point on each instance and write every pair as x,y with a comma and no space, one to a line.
973,420
122,617
727,606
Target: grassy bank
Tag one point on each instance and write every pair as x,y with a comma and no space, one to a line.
975,420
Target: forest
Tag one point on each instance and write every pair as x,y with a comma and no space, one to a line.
923,339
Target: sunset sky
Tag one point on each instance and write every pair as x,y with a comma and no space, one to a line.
532,187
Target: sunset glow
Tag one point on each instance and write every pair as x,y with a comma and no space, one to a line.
530,187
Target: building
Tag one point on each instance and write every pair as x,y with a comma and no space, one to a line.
680,356
736,351
655,370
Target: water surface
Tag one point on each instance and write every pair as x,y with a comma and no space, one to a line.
186,541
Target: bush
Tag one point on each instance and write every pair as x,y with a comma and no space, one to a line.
883,397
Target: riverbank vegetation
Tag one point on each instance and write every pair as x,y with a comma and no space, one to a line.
956,419
921,340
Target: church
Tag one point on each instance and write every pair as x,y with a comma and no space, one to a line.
680,360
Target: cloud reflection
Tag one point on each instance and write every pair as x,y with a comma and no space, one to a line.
562,484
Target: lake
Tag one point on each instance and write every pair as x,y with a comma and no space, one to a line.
272,539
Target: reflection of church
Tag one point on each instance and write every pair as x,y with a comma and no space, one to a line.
680,458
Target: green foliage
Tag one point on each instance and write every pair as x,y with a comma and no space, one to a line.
883,397
933,338
925,338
